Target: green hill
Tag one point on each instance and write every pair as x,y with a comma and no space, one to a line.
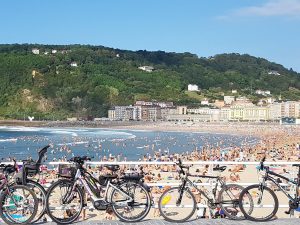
47,86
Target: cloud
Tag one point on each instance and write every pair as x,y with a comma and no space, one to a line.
282,8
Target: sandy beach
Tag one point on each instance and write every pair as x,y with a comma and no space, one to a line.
278,142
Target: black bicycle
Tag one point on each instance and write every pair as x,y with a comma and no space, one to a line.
128,199
178,204
264,198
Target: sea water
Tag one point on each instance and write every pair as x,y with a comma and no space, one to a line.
23,142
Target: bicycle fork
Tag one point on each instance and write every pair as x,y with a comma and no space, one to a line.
181,190
260,195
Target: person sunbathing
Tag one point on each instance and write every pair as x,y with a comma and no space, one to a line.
234,177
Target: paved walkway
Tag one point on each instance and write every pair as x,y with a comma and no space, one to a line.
291,221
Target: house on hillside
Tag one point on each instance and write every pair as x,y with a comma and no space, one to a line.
146,68
193,87
35,51
74,64
274,72
228,100
264,93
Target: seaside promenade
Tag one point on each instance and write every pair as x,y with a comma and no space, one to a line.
291,221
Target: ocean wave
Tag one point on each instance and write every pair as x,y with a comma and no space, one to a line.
68,132
114,133
20,128
74,143
9,140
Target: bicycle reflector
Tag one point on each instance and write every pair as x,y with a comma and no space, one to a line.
166,199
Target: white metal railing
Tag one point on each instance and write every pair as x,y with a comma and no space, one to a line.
211,163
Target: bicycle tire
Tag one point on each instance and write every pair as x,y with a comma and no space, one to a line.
164,198
3,196
232,209
63,183
43,196
252,189
124,187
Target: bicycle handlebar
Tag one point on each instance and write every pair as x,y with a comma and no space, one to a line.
261,164
80,159
179,164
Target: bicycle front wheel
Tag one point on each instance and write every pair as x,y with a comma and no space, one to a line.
132,204
228,199
64,202
18,205
177,204
263,200
41,199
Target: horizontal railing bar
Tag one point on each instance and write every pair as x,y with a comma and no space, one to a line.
185,206
186,163
170,163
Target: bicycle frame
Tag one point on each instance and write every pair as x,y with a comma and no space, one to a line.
80,178
186,180
273,180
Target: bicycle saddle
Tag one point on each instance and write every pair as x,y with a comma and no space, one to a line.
132,176
113,168
80,159
220,168
109,176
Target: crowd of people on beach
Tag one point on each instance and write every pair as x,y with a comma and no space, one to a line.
278,143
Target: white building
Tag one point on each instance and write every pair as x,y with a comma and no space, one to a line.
274,72
74,64
54,51
225,113
125,113
228,100
264,93
234,91
35,51
160,104
112,114
204,102
212,114
193,87
275,111
146,68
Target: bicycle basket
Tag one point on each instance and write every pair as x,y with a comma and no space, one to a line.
66,171
31,169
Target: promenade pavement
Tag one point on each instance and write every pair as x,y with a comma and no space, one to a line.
291,221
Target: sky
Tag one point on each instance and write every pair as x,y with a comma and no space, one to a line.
262,28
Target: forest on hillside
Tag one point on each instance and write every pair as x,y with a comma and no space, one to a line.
47,86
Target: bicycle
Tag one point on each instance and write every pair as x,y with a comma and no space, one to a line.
64,201
18,203
178,204
31,168
265,198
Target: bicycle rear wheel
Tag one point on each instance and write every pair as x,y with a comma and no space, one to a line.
134,210
18,205
63,202
265,203
228,199
177,204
